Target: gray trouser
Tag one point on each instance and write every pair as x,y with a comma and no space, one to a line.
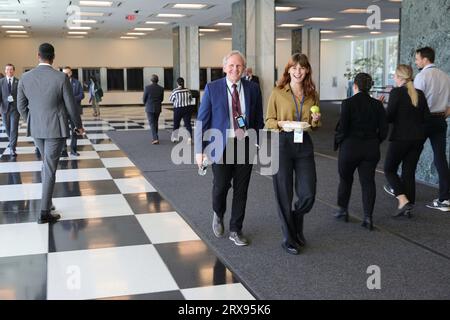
11,123
50,150
95,107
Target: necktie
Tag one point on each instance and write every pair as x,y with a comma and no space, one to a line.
236,106
9,86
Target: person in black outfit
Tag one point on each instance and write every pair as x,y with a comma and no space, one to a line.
408,111
362,127
153,98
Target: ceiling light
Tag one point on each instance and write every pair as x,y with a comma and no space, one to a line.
80,28
96,3
375,32
285,9
15,31
354,11
125,37
391,20
395,0
77,32
348,36
228,39
325,40
136,34
75,37
13,27
156,22
171,15
7,12
356,26
9,20
84,21
290,25
196,6
92,14
201,34
319,19
282,39
18,36
207,30
327,31
144,29
224,24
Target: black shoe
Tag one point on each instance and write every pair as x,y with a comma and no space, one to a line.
367,223
74,153
389,190
13,154
341,213
290,248
238,238
38,154
299,235
64,154
405,210
217,226
46,216
53,208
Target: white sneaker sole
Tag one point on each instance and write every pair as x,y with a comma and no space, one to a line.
437,208
238,244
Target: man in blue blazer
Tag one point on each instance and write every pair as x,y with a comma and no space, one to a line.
8,102
78,94
230,107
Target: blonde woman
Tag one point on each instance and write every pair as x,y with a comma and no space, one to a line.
407,110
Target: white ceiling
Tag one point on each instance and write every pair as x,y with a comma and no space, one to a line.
49,17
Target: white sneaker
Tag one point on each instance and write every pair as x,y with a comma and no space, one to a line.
439,205
189,141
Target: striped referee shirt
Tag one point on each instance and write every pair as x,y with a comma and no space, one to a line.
180,97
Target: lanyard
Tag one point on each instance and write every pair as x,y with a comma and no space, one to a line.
299,117
239,94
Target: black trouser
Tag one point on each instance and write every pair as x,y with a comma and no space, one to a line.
296,161
153,123
362,155
11,123
436,130
408,153
73,138
184,113
224,173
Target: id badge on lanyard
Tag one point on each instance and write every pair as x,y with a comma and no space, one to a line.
298,133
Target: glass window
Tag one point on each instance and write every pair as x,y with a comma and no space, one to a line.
203,78
87,74
135,79
115,79
168,79
217,73
392,59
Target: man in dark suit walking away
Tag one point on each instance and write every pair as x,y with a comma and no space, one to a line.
153,98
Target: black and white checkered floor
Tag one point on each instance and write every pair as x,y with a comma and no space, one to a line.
117,238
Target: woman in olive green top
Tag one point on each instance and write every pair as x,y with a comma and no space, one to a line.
291,101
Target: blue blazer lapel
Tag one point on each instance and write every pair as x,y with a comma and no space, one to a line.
247,93
224,93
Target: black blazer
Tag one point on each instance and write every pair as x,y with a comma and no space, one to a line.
4,94
362,117
408,121
153,98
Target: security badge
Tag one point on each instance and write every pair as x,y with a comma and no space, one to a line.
240,122
10,98
298,136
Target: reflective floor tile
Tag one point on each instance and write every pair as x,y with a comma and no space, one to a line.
82,234
127,172
20,177
111,154
84,188
24,157
25,138
23,238
166,227
107,273
105,147
23,277
97,136
81,142
148,202
117,162
92,207
82,174
83,155
193,264
98,128
85,148
9,209
20,166
101,141
20,192
135,127
134,185
21,150
234,291
165,295
76,164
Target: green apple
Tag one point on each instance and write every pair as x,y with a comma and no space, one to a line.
315,109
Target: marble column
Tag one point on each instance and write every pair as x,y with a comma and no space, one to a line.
186,56
307,41
426,23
